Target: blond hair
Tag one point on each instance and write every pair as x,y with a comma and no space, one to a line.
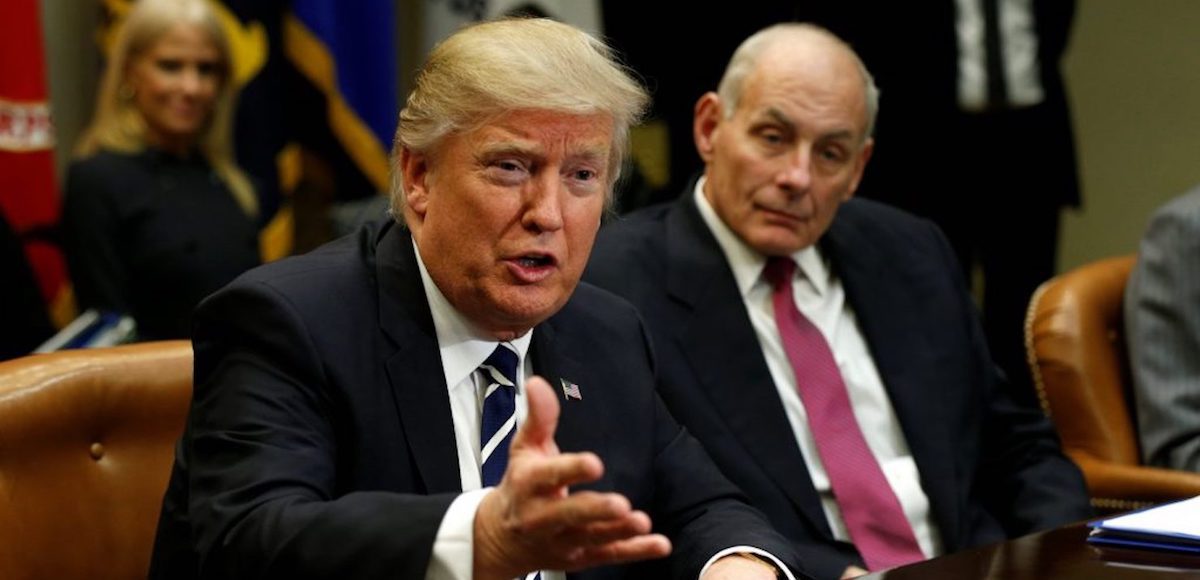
515,64
118,126
745,59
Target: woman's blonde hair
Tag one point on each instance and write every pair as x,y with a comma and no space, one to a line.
118,126
515,64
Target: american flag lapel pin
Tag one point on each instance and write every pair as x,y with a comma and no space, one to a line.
571,390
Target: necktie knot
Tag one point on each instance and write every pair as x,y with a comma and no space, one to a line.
779,271
504,361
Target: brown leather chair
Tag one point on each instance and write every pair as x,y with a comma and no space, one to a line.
87,438
1075,339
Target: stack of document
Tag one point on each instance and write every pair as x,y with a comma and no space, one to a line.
1174,527
91,330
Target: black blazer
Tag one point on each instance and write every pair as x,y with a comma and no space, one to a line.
151,235
991,469
320,442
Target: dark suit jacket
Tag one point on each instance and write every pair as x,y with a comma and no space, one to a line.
320,442
991,469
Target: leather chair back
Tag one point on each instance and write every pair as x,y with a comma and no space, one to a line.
87,438
1075,340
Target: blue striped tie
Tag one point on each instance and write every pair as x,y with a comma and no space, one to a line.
499,412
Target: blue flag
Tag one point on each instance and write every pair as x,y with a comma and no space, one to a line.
347,51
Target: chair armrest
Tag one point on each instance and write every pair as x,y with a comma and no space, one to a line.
1136,483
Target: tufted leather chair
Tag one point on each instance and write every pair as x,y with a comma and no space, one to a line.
1074,337
86,443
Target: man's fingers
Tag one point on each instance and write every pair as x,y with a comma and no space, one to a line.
630,550
600,532
578,510
565,470
551,475
542,418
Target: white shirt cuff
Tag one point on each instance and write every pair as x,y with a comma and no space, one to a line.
453,555
748,550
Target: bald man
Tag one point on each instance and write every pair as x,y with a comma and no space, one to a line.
824,349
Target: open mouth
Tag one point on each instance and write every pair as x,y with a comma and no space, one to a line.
535,261
532,268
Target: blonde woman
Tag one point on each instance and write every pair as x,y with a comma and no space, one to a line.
156,214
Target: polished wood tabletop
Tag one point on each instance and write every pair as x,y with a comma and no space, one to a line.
1056,554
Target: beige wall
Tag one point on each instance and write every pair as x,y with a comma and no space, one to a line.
1133,70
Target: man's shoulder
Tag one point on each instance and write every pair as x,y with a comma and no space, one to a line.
632,246
634,229
1182,209
333,273
885,228
869,212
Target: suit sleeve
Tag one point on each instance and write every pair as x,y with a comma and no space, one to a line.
700,510
696,506
91,228
1025,481
1162,308
262,447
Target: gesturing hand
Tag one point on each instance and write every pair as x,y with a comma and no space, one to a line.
531,522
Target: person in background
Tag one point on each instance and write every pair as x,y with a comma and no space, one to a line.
1162,326
156,214
824,349
371,410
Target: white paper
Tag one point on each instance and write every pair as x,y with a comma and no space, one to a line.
1179,519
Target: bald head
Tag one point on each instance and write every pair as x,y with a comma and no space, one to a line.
785,50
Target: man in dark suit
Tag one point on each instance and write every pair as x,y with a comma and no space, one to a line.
824,349
370,410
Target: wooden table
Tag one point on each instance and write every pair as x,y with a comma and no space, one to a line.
1060,554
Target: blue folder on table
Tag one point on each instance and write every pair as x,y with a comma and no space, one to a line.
1172,527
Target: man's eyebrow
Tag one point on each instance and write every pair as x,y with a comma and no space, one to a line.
839,135
509,148
595,154
781,118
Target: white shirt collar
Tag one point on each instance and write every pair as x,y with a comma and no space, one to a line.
462,345
747,264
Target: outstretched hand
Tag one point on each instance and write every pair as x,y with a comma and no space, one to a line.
532,522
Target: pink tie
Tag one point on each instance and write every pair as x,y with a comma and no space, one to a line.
872,513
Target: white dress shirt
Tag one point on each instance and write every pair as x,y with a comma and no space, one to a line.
820,297
1019,54
463,347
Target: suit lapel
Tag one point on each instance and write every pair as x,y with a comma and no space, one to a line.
580,428
715,334
415,368
902,354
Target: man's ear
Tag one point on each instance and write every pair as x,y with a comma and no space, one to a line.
863,157
414,166
706,119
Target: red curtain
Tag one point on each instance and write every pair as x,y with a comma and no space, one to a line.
28,193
